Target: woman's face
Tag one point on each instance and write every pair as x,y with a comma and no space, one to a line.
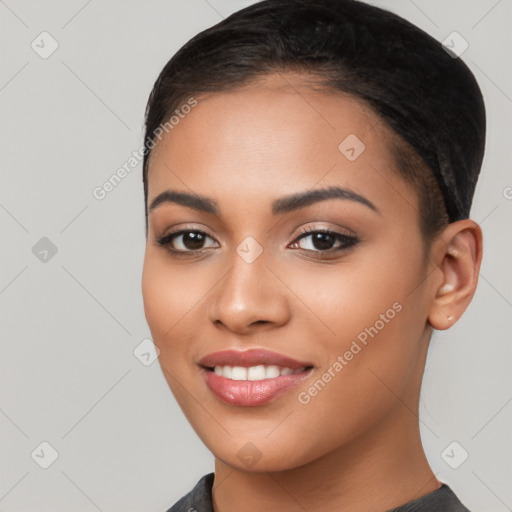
350,306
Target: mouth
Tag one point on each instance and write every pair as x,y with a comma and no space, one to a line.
259,372
252,377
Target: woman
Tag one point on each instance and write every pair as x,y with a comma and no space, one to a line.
308,176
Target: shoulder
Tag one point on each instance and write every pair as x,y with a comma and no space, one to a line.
442,499
198,499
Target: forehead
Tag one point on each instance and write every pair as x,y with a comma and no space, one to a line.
275,135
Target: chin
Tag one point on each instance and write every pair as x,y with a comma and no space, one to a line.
262,455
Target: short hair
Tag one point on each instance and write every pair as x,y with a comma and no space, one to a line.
426,95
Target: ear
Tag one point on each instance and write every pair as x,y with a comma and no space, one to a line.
457,253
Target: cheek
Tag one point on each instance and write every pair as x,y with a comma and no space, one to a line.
361,382
354,295
376,325
169,295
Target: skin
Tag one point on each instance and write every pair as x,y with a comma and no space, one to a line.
356,445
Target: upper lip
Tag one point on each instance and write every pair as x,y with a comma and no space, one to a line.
251,357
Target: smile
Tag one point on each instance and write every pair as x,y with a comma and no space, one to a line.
259,372
251,377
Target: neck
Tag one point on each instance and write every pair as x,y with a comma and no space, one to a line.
380,470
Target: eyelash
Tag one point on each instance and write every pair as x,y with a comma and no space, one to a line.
348,241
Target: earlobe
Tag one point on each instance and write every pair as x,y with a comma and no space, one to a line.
459,255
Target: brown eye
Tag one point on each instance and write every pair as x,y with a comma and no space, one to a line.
184,241
323,240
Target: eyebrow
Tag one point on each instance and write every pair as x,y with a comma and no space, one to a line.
279,206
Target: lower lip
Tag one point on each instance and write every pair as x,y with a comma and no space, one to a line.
249,393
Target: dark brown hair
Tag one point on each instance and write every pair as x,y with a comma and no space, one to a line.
428,98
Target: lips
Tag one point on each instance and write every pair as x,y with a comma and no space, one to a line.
252,357
229,375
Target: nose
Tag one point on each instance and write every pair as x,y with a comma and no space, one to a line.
249,297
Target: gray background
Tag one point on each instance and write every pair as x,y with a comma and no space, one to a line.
70,324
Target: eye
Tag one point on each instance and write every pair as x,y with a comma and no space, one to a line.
184,241
322,240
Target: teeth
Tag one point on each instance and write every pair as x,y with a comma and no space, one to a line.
256,372
259,372
239,373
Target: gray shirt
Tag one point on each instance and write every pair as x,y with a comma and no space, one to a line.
199,499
